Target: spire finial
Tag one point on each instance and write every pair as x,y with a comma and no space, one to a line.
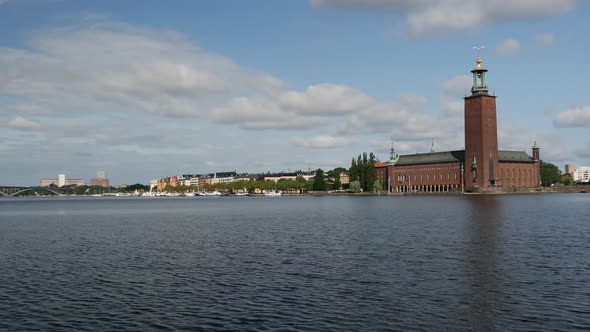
432,146
393,157
479,61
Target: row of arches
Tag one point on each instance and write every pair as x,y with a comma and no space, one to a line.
438,188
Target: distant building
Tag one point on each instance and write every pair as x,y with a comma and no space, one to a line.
74,182
153,184
61,181
570,168
344,178
99,182
288,176
48,182
582,174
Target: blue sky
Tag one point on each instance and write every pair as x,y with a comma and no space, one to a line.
148,89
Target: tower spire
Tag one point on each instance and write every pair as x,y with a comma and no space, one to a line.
393,157
479,75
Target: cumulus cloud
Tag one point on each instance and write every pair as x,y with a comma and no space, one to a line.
158,73
21,123
289,109
573,117
508,47
322,142
326,99
260,113
545,40
428,17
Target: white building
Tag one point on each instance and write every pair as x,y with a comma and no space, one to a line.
101,175
582,174
194,181
153,184
61,180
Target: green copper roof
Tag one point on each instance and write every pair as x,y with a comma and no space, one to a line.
514,156
459,155
432,157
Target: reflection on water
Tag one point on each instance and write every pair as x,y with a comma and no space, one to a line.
296,263
483,248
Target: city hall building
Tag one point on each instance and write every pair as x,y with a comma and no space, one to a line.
480,167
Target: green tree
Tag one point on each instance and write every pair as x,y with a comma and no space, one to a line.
377,185
550,174
365,184
567,180
319,180
353,172
355,186
137,186
371,174
337,184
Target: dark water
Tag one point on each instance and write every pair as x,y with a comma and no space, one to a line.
491,263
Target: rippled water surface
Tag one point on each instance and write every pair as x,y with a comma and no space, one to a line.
486,263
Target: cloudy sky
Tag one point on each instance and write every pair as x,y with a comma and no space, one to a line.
145,89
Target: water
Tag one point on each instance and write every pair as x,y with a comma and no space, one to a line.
484,263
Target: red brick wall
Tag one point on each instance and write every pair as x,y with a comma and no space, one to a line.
381,174
437,177
519,174
481,138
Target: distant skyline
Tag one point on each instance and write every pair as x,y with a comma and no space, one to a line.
149,89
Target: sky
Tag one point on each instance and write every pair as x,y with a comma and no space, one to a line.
148,89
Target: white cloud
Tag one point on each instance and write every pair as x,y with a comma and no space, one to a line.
21,123
545,40
290,109
326,99
508,47
429,17
158,73
573,117
322,142
260,113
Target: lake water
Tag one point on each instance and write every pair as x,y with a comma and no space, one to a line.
485,263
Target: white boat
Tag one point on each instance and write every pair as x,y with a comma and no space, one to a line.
242,194
273,193
210,193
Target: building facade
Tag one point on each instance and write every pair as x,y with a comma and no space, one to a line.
570,169
481,166
582,174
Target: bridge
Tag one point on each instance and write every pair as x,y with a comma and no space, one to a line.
12,191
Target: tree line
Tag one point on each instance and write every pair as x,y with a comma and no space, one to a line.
362,173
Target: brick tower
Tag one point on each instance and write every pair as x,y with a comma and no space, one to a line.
481,134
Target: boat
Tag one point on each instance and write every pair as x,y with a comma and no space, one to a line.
273,193
241,193
210,193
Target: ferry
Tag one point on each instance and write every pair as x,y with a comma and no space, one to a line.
273,193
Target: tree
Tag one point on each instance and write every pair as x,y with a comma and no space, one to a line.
319,180
355,186
371,174
550,174
137,186
353,173
377,185
365,173
567,180
337,184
